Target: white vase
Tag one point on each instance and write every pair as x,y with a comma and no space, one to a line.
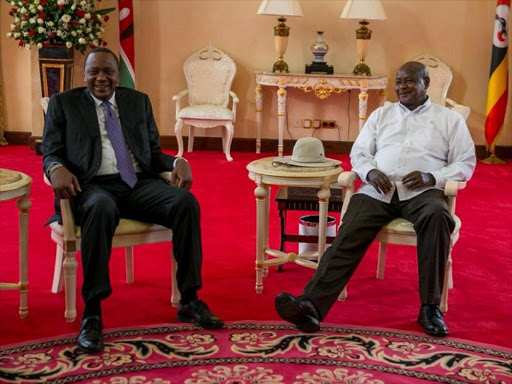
319,48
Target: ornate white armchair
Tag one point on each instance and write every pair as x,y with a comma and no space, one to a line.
209,73
440,80
401,231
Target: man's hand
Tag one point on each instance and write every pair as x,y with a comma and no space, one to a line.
417,180
379,180
64,183
181,175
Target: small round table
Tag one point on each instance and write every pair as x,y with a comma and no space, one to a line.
266,172
16,185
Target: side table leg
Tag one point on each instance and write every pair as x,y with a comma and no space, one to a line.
24,205
261,193
259,111
265,242
363,104
323,202
382,97
282,220
281,116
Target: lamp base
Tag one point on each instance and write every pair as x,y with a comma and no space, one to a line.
280,65
320,68
362,69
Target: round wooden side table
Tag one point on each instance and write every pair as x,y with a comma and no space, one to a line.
16,185
266,172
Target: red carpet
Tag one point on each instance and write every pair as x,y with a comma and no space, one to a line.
258,353
480,305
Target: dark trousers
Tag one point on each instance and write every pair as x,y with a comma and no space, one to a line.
364,218
107,198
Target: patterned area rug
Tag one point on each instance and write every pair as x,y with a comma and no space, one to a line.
257,353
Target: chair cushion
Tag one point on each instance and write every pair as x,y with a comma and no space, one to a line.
405,227
206,112
125,227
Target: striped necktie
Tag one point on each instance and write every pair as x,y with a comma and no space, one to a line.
115,134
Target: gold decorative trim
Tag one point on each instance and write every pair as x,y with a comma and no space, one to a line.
322,89
53,60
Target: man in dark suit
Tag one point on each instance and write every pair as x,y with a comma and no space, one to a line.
101,150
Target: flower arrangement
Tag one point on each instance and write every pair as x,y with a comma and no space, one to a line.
75,23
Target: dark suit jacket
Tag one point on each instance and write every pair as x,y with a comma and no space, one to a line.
72,138
72,135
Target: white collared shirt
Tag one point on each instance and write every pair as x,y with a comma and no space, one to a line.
108,158
397,141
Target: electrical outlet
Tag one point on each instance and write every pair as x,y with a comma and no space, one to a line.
317,123
297,123
307,123
328,124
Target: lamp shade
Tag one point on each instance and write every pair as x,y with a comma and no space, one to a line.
280,8
364,9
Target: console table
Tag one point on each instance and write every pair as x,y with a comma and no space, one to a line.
265,174
321,85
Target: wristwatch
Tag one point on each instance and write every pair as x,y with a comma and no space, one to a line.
426,177
53,167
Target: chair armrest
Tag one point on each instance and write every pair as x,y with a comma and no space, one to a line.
450,190
166,176
347,180
68,221
177,99
180,95
235,102
462,109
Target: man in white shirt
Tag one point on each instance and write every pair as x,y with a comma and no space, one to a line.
404,154
101,150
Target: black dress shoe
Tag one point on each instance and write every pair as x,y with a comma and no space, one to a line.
197,312
90,337
431,319
299,311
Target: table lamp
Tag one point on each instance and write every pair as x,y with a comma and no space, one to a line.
365,10
281,8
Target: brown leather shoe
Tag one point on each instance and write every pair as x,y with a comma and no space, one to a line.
431,319
197,312
299,311
90,337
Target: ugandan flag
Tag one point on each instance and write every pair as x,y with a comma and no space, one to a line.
127,53
497,93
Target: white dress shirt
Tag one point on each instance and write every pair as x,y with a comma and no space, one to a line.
397,141
108,157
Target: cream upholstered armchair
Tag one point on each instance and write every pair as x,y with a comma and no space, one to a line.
129,233
440,80
209,73
401,231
